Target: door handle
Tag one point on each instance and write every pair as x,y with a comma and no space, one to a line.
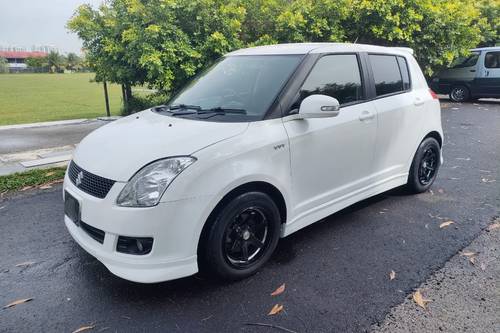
472,70
418,101
366,115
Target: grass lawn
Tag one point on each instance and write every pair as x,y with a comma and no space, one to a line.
29,98
30,179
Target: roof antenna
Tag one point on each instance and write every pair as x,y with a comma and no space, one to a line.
356,40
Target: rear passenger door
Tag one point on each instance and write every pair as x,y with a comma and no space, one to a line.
397,109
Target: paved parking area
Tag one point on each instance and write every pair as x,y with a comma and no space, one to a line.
336,271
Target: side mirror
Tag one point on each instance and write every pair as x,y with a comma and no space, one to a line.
319,106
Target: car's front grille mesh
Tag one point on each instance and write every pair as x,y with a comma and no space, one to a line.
88,182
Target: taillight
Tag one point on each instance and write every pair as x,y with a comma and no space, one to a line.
433,94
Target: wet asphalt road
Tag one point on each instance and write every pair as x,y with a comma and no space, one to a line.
336,271
23,139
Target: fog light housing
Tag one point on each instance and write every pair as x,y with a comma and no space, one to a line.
134,245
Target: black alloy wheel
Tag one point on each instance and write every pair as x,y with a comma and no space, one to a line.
425,166
246,238
428,165
240,236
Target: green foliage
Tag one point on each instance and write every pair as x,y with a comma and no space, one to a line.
490,21
30,179
55,61
139,103
4,65
162,43
73,61
36,62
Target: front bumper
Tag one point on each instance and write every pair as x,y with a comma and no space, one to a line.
174,226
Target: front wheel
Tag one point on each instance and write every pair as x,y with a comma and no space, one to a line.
425,166
241,237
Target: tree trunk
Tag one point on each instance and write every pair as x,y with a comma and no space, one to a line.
106,98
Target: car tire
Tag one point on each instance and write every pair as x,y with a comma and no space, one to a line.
229,247
460,94
425,166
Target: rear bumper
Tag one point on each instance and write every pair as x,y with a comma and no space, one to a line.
174,226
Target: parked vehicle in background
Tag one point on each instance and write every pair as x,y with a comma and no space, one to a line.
473,77
265,142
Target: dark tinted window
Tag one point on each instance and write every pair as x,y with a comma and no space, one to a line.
386,73
337,76
492,60
403,67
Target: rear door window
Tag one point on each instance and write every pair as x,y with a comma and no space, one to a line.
403,67
335,75
387,75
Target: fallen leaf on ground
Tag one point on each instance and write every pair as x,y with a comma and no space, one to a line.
84,328
26,263
48,174
494,226
472,260
275,310
468,254
419,299
445,224
278,291
392,275
19,301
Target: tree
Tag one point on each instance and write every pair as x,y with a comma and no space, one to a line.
38,64
164,43
490,21
73,61
4,65
55,61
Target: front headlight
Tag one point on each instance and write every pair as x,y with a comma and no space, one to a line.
146,187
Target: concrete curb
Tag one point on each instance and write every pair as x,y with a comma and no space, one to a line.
44,124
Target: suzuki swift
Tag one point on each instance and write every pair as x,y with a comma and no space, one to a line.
263,143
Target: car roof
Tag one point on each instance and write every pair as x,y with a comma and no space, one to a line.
490,48
305,48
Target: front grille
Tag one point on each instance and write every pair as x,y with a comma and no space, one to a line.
95,233
88,182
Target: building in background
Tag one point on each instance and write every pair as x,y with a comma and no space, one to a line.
17,59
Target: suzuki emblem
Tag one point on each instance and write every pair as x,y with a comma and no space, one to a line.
79,178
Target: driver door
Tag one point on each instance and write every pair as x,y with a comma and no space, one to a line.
332,157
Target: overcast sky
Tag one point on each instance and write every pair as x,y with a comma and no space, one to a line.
39,22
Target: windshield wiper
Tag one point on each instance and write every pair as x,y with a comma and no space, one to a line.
184,107
222,111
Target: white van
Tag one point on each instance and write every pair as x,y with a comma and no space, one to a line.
263,143
472,77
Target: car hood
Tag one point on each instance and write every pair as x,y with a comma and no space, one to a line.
118,150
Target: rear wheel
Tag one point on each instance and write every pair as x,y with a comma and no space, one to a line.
425,166
460,94
241,237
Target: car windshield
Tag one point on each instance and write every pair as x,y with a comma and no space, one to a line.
235,88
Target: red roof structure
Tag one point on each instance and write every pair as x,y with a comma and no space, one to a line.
22,54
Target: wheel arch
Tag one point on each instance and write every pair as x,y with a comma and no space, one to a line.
259,186
435,135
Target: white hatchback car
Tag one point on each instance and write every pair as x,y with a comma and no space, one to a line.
265,142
